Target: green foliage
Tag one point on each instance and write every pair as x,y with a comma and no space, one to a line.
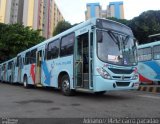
146,24
61,26
16,38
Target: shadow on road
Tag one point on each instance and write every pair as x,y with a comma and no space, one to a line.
113,95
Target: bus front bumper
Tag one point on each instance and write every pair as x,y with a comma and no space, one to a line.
101,84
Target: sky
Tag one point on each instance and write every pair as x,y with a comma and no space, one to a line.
74,10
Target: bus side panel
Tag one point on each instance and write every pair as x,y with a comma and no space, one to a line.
51,70
29,70
8,75
149,71
5,73
16,75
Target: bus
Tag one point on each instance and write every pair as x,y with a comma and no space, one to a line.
149,63
95,56
7,71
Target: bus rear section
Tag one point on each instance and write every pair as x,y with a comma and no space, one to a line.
149,63
4,72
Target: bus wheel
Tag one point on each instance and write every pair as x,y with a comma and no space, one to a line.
65,86
10,79
25,82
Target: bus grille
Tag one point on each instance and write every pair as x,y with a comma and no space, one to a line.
121,78
121,84
120,71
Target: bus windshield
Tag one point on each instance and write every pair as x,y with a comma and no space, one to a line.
116,48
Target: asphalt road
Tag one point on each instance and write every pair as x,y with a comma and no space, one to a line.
15,101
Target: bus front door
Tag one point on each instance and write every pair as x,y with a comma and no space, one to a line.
38,68
82,62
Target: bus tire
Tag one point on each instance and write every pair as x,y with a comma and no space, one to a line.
10,80
25,82
65,86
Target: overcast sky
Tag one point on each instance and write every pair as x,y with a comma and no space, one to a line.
73,10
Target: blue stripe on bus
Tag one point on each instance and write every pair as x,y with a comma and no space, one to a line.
155,66
47,73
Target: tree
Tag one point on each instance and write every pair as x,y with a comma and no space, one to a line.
146,24
61,26
16,38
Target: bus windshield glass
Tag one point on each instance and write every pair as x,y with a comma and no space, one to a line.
116,48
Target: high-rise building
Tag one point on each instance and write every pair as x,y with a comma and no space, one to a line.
38,14
114,9
10,11
2,10
93,10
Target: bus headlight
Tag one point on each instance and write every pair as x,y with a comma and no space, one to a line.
134,77
103,73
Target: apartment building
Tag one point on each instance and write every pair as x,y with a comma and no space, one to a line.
114,9
38,14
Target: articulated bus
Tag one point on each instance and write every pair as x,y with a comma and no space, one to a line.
149,63
96,56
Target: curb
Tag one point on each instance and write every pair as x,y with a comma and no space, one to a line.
150,88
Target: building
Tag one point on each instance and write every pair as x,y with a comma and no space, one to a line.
38,14
114,9
2,10
93,10
11,11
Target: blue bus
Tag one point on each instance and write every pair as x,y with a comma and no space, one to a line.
96,56
149,63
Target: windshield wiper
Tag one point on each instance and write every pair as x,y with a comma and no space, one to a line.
114,38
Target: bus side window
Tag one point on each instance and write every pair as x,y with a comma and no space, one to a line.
156,52
145,54
53,49
27,58
67,44
33,56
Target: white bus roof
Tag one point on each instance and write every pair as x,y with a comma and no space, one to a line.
149,44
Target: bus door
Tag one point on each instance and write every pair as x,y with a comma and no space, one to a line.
82,61
5,73
0,73
12,71
38,67
19,65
